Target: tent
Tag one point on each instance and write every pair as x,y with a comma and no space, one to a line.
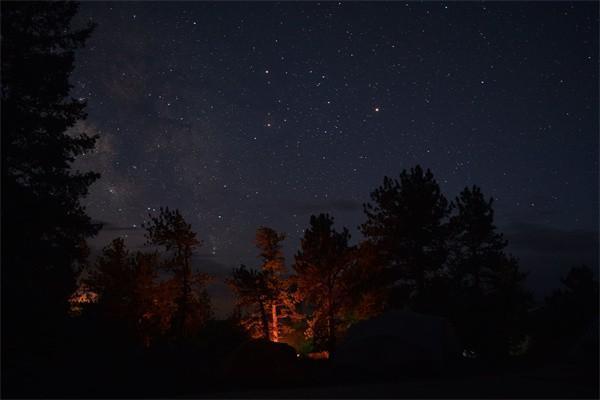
399,341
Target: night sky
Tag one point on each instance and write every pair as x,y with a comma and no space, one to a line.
250,114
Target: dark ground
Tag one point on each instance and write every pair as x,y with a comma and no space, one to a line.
552,381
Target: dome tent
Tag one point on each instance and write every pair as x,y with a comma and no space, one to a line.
398,341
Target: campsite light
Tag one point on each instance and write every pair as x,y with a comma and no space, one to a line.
469,354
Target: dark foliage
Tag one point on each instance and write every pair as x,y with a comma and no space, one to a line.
253,293
192,305
406,226
489,305
43,221
570,314
322,266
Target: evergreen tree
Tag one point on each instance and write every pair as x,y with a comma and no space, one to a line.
567,313
126,289
489,303
406,226
366,283
144,297
43,221
281,302
265,293
252,300
192,306
323,266
475,242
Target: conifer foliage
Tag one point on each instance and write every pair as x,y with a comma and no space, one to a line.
263,295
192,306
322,267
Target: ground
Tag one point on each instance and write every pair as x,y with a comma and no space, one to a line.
553,381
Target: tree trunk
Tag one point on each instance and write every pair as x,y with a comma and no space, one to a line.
274,324
331,325
265,319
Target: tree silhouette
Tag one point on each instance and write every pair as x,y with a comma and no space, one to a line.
192,306
405,225
281,303
264,293
567,313
127,292
40,193
145,298
489,304
366,283
253,294
111,279
474,238
322,267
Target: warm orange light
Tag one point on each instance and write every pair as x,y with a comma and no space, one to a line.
82,296
321,355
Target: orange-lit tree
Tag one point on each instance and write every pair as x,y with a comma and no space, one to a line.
323,268
263,295
366,284
252,297
187,287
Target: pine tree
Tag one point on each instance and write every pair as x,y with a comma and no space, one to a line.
112,278
252,300
281,302
366,282
44,224
322,268
40,194
144,297
406,226
489,303
566,314
126,291
170,230
264,293
475,242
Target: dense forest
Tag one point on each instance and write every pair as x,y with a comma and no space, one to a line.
139,322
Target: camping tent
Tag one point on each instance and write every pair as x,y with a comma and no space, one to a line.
400,341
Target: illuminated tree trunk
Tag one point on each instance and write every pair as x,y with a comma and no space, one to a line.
183,301
331,322
274,324
265,319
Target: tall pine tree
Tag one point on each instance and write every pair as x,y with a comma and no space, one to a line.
323,266
44,225
406,226
263,295
489,304
192,306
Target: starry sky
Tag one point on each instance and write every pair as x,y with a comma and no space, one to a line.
250,114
